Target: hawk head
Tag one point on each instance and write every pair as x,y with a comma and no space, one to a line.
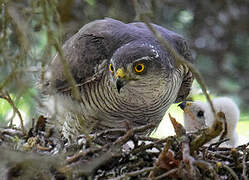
138,67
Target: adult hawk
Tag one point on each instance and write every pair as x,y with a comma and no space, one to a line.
123,74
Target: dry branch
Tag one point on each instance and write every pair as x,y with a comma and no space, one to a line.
52,37
172,158
7,97
209,133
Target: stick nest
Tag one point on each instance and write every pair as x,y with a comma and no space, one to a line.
46,155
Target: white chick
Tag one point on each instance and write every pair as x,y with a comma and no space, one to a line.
198,115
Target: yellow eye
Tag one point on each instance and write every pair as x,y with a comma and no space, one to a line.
111,68
139,68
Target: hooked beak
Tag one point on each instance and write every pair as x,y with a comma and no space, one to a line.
120,81
182,105
119,84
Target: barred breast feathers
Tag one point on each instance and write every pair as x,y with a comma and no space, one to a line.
102,107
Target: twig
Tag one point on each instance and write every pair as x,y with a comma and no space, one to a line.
123,130
67,73
118,142
179,129
114,151
221,149
242,147
11,132
110,131
235,155
244,166
7,97
66,69
166,159
148,146
223,157
230,171
186,157
146,138
122,140
206,166
208,134
217,144
11,119
134,173
9,78
143,128
21,24
42,148
80,154
172,171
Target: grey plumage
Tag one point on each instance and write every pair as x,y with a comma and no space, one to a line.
144,96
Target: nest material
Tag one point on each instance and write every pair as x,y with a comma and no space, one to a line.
46,155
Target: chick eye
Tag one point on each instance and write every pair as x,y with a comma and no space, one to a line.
200,114
139,68
111,68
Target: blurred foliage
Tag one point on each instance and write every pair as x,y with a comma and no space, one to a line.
217,30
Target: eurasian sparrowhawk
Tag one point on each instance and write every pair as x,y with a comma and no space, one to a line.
123,74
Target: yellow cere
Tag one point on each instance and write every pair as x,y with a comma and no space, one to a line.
139,68
120,73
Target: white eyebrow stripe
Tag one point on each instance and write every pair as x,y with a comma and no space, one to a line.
143,58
